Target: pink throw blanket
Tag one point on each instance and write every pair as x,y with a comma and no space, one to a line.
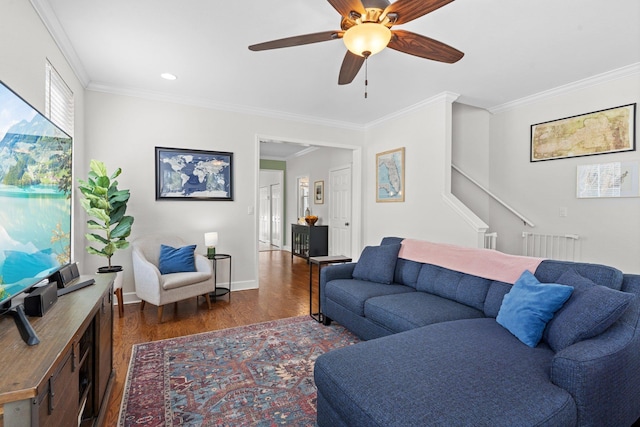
485,263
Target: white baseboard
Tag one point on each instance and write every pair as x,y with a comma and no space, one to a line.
132,298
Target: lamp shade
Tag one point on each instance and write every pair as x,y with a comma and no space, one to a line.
366,37
211,239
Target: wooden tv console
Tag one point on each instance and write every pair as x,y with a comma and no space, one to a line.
65,380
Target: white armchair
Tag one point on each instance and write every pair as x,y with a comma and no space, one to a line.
160,289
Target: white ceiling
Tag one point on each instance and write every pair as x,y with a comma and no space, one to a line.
513,49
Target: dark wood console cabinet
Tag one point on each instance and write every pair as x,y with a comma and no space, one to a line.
65,380
309,240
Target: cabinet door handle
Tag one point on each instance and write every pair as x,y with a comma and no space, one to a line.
346,224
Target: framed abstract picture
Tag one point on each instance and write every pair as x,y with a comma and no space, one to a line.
183,174
318,192
600,132
390,176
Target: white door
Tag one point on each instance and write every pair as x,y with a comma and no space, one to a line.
265,215
276,216
340,211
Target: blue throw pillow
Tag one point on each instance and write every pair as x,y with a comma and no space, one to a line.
590,311
177,260
529,305
377,264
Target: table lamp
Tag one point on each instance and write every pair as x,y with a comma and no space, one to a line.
210,241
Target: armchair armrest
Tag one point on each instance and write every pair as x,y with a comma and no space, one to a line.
203,264
146,276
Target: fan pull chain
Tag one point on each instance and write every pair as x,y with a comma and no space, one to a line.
366,72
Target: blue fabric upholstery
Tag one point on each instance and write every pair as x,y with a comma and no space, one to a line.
177,260
454,285
590,311
550,270
470,370
495,295
377,263
446,374
529,305
401,312
353,293
407,272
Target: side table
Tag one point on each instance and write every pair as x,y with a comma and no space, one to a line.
321,261
220,290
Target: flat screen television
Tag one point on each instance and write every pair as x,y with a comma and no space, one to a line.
35,197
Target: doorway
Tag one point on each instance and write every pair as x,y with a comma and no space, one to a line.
270,210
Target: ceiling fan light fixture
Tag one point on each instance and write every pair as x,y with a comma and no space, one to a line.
366,37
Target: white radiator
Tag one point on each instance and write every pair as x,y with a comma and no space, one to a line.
561,247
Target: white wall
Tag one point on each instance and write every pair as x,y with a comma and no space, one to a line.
316,166
470,153
429,211
25,45
609,229
122,131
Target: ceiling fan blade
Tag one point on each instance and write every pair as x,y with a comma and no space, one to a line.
351,64
408,10
297,40
344,7
424,47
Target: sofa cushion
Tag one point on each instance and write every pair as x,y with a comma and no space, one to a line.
454,285
591,310
550,270
402,312
495,296
177,260
461,373
407,272
529,305
377,263
352,294
178,280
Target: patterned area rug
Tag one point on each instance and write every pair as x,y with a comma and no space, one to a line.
256,375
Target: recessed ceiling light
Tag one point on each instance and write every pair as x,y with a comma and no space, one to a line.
168,76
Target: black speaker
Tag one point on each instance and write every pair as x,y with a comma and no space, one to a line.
40,300
65,275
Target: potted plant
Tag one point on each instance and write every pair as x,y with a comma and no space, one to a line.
107,205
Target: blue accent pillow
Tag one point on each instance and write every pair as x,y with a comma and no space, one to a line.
377,264
529,305
590,311
177,260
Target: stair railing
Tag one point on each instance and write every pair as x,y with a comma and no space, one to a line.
494,197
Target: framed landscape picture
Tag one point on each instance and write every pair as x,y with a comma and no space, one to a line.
390,176
183,174
600,132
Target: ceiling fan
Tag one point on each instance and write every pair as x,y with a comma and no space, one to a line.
366,30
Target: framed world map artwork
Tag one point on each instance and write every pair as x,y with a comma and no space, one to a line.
390,176
183,174
600,132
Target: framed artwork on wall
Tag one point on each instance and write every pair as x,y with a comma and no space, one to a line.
390,176
183,174
615,179
318,192
600,132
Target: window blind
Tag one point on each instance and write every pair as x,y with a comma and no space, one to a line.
59,103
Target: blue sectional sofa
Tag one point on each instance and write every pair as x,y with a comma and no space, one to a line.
444,347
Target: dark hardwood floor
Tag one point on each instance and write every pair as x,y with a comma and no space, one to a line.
284,292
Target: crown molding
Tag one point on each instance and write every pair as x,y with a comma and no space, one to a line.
449,97
204,103
51,22
608,76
